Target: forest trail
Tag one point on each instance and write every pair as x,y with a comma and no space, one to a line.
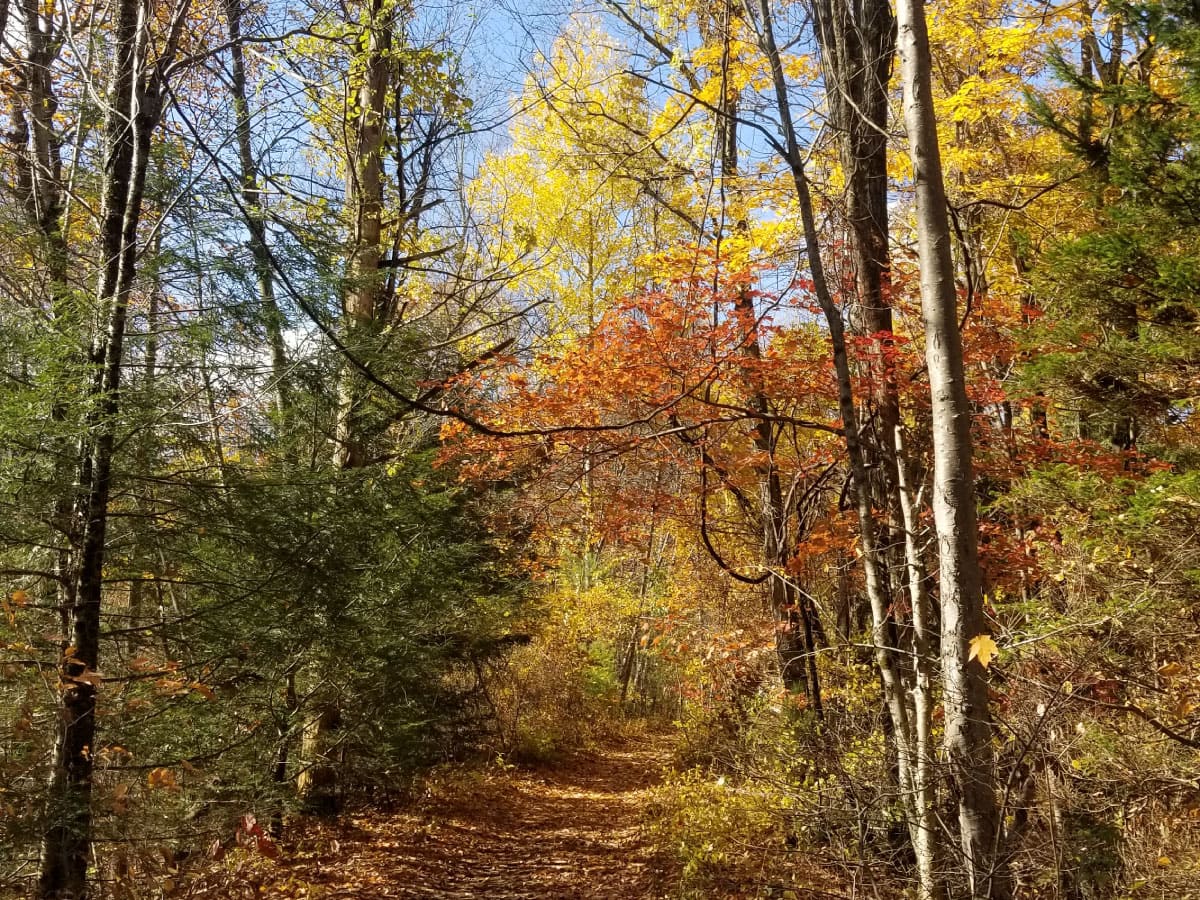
573,832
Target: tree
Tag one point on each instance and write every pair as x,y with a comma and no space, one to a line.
1119,312
968,739
135,99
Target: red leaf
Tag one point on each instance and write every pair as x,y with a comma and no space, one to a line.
266,846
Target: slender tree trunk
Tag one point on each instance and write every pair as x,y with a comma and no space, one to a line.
283,752
968,726
254,212
651,563
145,453
925,833
37,156
66,842
857,41
1038,419
794,651
134,108
846,600
874,571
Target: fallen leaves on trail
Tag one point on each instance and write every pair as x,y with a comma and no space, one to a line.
570,833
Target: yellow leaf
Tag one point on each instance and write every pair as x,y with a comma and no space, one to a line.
1164,861
982,648
1170,669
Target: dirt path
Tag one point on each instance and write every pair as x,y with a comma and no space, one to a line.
573,832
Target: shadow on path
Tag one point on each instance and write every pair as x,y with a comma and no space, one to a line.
572,832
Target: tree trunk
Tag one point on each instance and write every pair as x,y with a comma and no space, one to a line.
857,40
364,200
317,782
924,834
254,212
35,147
796,665
362,303
968,727
145,455
134,108
886,655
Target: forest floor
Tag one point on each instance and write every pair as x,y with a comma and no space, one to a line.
572,831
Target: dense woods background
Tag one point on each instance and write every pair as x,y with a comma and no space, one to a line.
388,383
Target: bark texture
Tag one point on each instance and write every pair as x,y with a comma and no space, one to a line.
134,108
364,200
968,736
364,303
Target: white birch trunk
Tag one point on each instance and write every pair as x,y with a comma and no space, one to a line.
968,727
